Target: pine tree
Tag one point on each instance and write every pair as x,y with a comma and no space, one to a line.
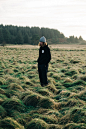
1,36
35,39
80,38
6,35
26,39
76,40
19,38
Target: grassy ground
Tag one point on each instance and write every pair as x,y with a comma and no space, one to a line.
24,104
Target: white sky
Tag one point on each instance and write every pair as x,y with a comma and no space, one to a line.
68,16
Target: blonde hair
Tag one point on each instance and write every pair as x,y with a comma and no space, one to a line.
43,44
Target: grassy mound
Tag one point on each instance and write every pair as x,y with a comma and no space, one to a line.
76,115
37,124
31,100
2,81
47,103
14,86
78,82
53,126
47,118
44,92
2,91
25,104
9,123
13,104
3,112
82,95
75,126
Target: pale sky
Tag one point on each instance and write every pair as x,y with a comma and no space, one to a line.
68,16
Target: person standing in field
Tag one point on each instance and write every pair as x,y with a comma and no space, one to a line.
43,60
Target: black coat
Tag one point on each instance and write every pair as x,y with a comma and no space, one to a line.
44,55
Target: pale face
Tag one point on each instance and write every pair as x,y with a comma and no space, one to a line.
41,43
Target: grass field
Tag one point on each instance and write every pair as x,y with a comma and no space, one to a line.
24,104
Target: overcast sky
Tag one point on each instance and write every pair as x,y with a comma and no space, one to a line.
68,16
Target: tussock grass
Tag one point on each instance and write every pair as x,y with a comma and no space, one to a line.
2,81
31,100
82,77
74,125
55,112
71,73
15,86
82,95
2,98
56,76
9,123
50,74
76,115
78,82
51,87
3,112
24,94
74,61
13,104
47,103
47,118
9,93
11,79
2,91
68,80
37,124
45,92
8,71
25,104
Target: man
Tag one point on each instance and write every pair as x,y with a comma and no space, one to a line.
43,60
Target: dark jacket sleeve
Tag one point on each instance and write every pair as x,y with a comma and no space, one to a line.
48,56
39,56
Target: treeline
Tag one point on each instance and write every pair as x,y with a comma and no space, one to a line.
10,34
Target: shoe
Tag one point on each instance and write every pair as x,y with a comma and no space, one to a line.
42,85
46,84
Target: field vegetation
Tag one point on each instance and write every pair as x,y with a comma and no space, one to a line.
24,104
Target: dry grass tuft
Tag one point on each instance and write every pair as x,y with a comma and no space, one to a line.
31,100
15,86
37,124
14,104
2,91
68,80
3,112
9,123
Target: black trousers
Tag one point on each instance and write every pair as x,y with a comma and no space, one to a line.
42,69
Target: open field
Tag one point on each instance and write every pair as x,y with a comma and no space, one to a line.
61,46
24,104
